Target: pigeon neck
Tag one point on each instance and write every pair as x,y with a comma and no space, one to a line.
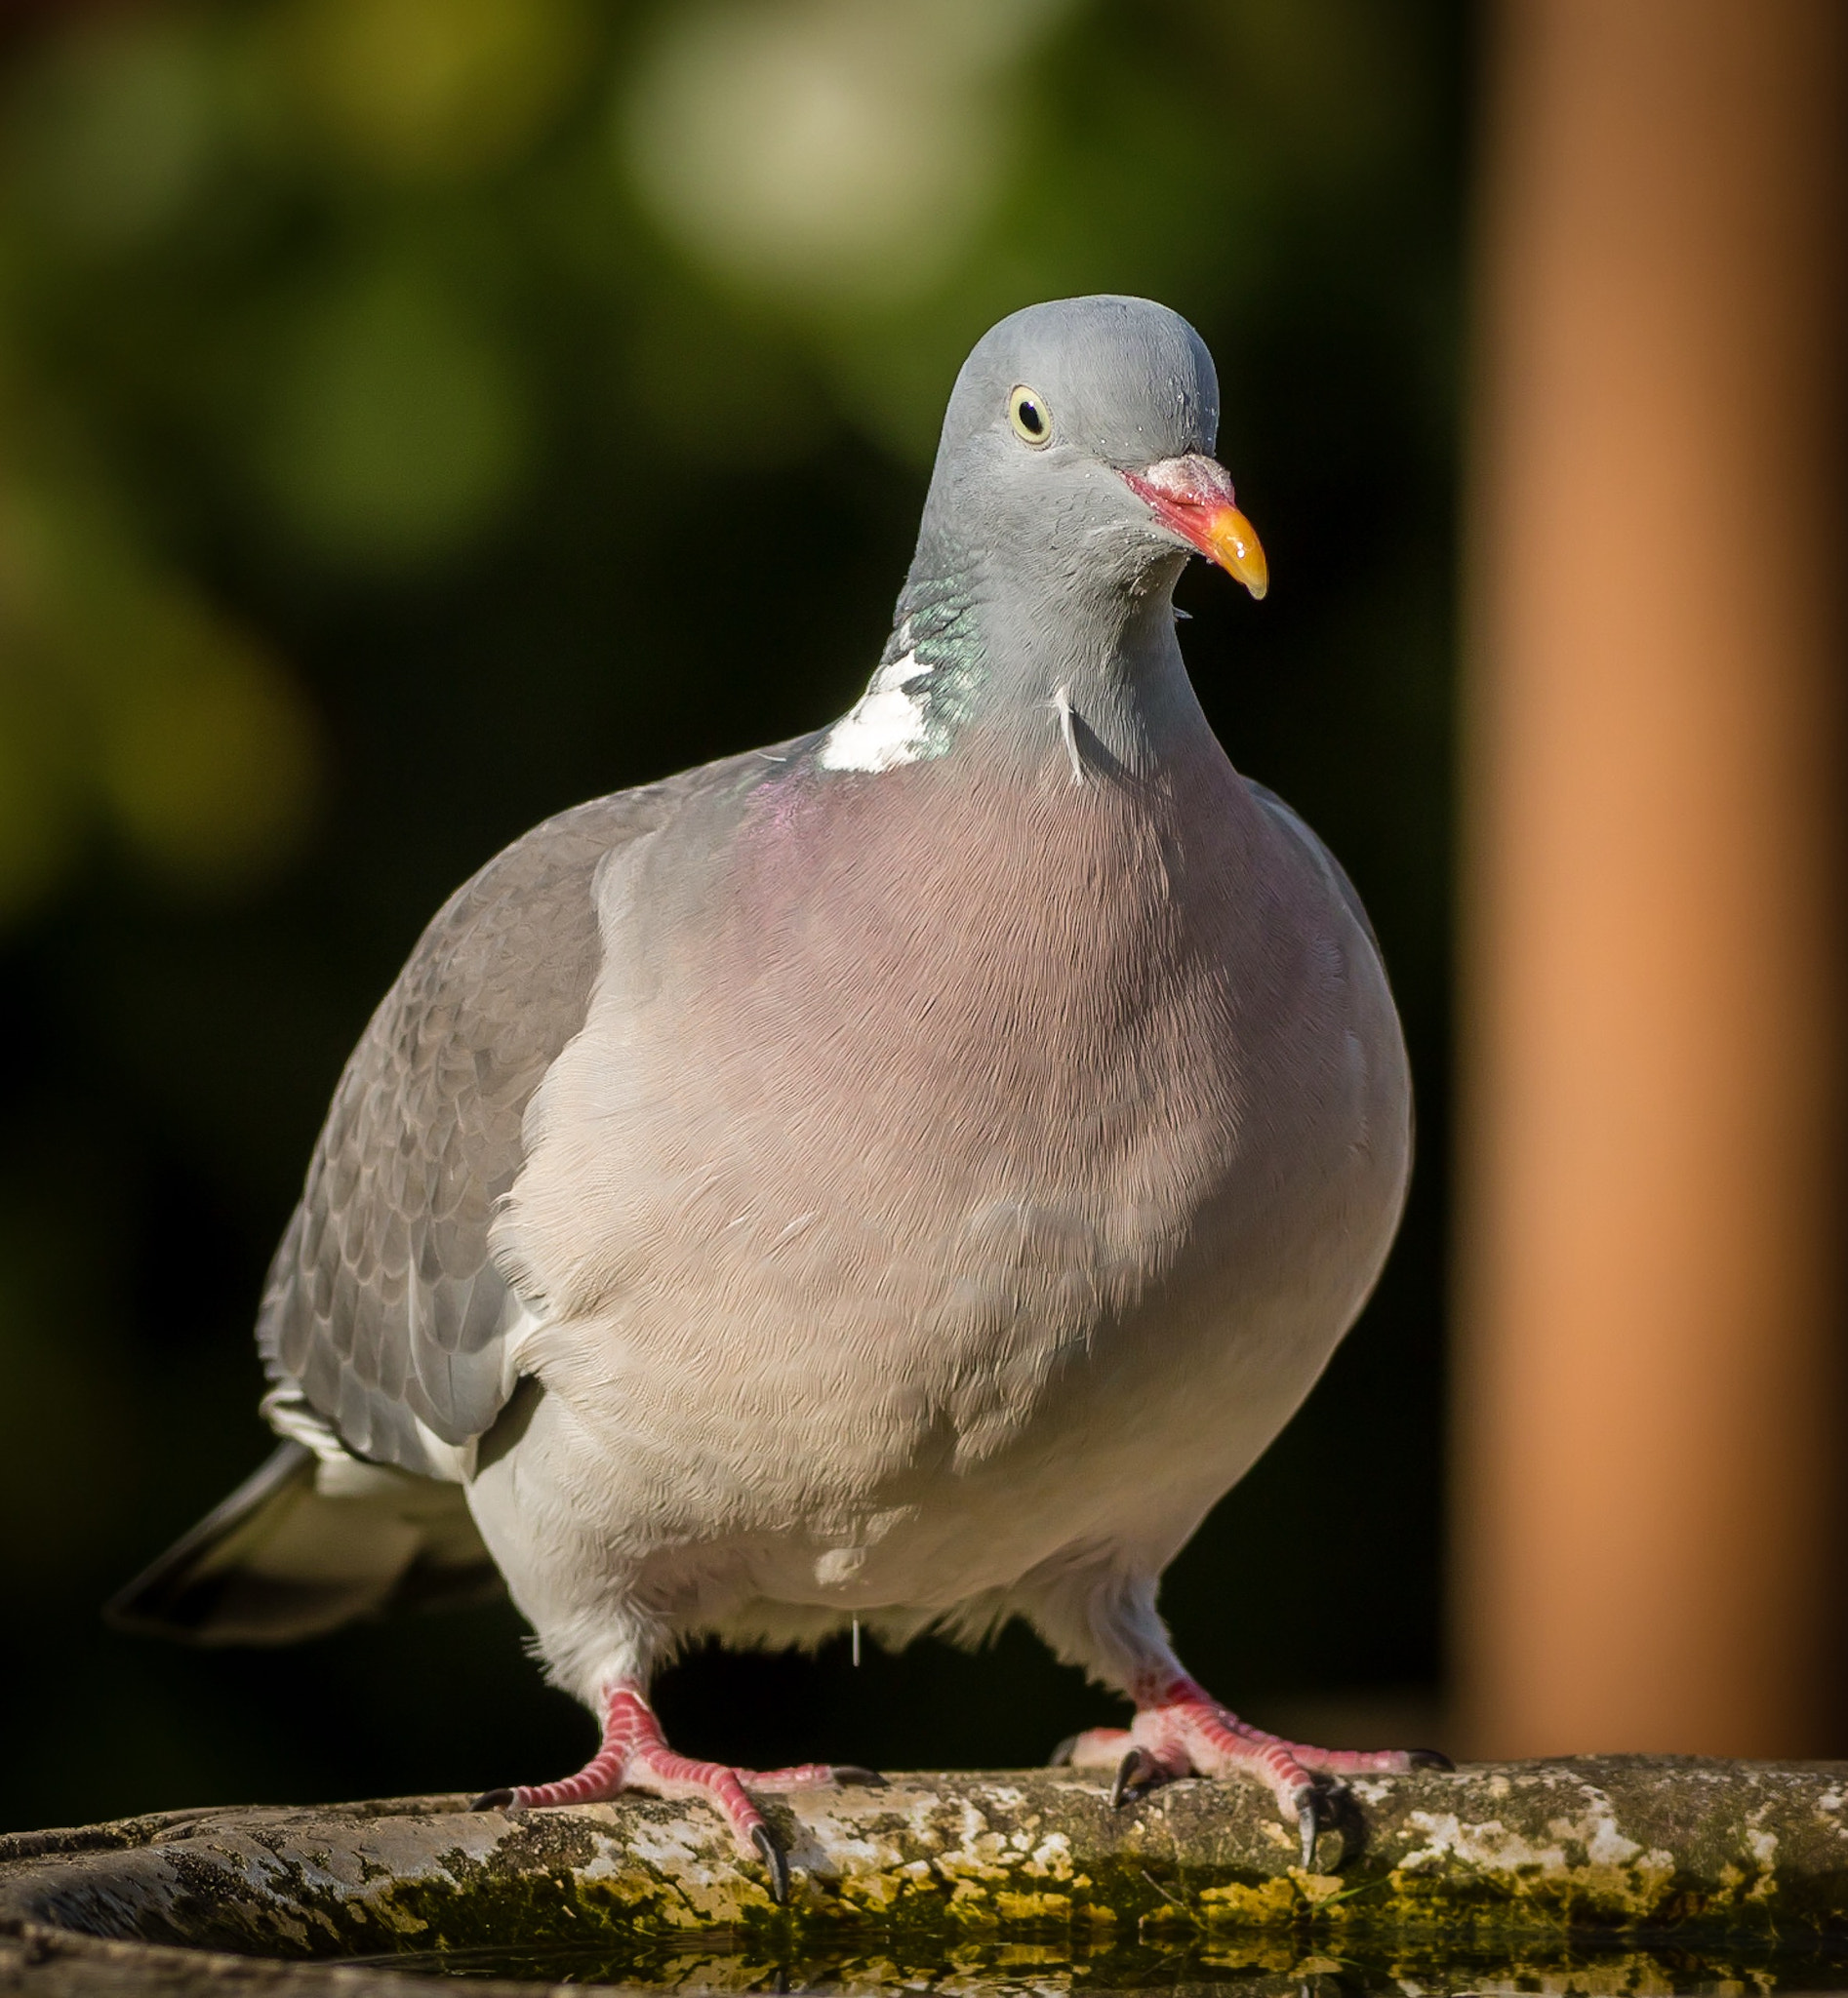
984,662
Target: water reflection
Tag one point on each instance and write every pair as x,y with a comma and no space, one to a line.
1251,1966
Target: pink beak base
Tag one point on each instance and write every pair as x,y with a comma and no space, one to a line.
1192,496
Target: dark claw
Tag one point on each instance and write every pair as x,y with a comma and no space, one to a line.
1306,1822
776,1863
1136,1775
1063,1754
864,1779
497,1800
1428,1758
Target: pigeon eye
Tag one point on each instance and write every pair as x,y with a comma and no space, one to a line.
1026,412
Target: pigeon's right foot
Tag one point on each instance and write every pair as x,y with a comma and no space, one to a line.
635,1756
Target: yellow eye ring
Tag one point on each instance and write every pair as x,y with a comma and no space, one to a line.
1026,410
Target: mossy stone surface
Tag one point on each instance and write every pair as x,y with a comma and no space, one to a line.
1490,1857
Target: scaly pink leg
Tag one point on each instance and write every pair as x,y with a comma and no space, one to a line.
635,1756
1180,1729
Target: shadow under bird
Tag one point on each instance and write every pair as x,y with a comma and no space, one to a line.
899,1177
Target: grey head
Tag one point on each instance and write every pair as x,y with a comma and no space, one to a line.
1077,449
1073,479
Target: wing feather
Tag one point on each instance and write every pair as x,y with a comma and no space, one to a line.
382,1302
1298,829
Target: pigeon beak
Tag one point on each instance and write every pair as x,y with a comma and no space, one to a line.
1233,542
1193,497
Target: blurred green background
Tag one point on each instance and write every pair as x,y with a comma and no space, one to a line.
419,414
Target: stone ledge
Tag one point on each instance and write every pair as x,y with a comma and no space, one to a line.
1610,1846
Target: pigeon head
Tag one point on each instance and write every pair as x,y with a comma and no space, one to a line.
1074,478
1077,446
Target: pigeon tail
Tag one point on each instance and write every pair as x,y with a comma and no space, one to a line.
283,1559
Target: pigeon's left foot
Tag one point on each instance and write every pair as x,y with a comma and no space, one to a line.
1179,1730
635,1756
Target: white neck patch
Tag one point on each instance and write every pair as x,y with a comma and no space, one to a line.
884,727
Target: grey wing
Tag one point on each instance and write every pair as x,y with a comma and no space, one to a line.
383,1307
1300,829
1333,871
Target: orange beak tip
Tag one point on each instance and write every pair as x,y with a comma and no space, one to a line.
1234,546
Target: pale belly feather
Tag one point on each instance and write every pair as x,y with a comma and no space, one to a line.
843,1317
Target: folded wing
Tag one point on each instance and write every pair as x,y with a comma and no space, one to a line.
383,1309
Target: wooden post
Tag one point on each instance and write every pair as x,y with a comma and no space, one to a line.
1648,1309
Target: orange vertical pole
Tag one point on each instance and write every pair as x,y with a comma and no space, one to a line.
1654,800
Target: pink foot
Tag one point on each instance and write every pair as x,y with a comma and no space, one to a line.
1180,1729
635,1756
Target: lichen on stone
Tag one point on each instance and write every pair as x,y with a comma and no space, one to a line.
1498,1860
